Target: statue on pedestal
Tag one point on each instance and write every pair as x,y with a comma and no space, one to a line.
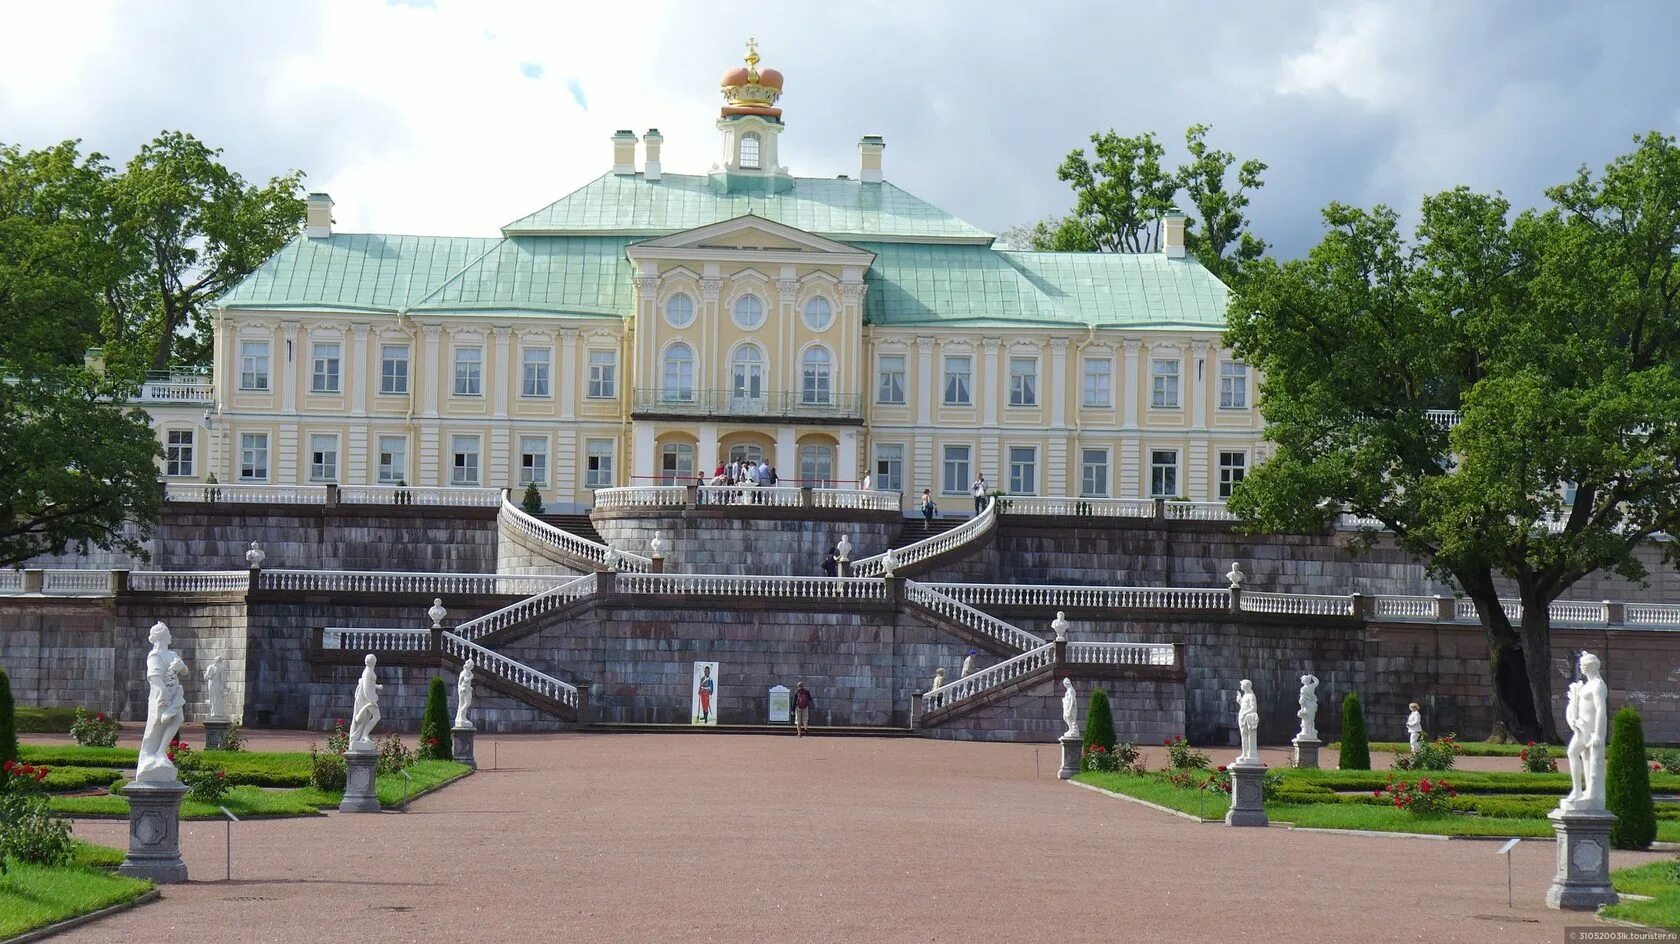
1248,723
366,711
1588,716
1308,712
1414,727
1070,708
165,706
464,694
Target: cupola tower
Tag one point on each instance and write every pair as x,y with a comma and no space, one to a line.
750,124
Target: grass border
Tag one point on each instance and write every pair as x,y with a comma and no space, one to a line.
45,931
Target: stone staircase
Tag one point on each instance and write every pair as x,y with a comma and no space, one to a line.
578,524
917,528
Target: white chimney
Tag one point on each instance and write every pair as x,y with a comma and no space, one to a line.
869,158
653,139
624,153
1172,234
317,224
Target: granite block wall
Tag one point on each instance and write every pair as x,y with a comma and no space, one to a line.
1146,711
60,653
704,542
522,556
345,537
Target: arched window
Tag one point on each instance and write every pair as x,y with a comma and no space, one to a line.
679,374
749,149
816,372
679,310
676,463
816,465
819,314
749,312
747,374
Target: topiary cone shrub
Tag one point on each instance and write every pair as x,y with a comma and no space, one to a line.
1356,750
531,503
434,724
1627,784
1099,724
8,720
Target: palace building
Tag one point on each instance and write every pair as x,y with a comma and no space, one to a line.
650,325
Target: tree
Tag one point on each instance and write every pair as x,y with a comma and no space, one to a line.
1356,750
1051,234
8,720
434,724
531,502
1627,784
1099,724
1221,242
1120,197
1502,394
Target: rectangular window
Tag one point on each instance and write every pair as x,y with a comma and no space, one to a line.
956,470
959,369
324,378
1023,381
1163,473
464,469
393,460
603,368
469,371
393,368
536,372
598,463
253,457
1093,473
1232,467
253,365
1023,470
889,467
1164,391
1233,386
533,460
891,387
178,453
323,457
1099,382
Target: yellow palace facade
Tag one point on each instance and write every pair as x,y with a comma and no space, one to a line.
649,326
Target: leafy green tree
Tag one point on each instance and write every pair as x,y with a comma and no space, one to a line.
531,502
1627,784
1099,723
434,724
1121,194
8,720
1356,749
1550,341
1218,234
1052,234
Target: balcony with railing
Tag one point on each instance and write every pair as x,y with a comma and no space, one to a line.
177,386
727,404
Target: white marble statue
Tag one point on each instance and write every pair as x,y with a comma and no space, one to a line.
968,664
1060,625
1070,708
1248,724
464,694
1414,727
366,711
215,688
1588,716
939,677
165,706
1308,712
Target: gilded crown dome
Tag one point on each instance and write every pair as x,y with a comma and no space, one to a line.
747,91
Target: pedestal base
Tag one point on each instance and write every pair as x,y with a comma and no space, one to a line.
1306,753
1582,882
1072,747
154,832
1248,802
359,793
461,742
215,734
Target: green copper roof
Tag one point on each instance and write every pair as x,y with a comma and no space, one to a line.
355,271
828,207
1127,290
586,275
930,284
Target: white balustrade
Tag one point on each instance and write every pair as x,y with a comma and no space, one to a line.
189,581
247,494
633,496
771,496
990,677
1197,511
1077,597
514,518
1296,604
965,615
1573,613
159,391
973,529
755,586
76,582
515,673
1662,615
1347,522
1120,653
11,581
450,497
376,640
1446,419
1081,507
362,581
1408,608
856,499
528,608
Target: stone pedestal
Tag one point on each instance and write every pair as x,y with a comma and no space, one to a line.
1072,746
215,734
1306,753
154,832
461,742
1582,882
359,794
1248,805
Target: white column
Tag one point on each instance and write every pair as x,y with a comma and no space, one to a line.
285,367
989,383
787,458
711,286
924,382
433,377
642,457
1129,384
358,370
1199,370
505,378
706,453
570,373
847,471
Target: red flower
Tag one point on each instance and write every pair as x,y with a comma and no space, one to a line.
1530,743
1656,766
1376,793
7,766
100,716
1423,785
1221,768
170,755
41,774
1097,748
27,770
221,775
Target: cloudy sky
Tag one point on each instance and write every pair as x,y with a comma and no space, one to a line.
456,117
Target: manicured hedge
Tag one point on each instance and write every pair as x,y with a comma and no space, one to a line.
1627,785
1355,753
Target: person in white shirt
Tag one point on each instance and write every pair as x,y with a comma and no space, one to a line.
865,483
979,490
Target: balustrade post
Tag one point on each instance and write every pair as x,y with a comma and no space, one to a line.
692,496
1061,644
1445,609
895,590
583,716
34,580
1361,607
606,583
1615,614
915,708
1160,509
1236,600
807,499
253,577
119,582
657,565
332,494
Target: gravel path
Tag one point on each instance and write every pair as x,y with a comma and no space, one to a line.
693,838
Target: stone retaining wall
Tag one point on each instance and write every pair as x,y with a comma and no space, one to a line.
200,536
1146,711
747,539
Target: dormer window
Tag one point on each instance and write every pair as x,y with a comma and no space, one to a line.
749,149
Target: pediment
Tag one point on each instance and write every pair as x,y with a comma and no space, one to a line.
749,233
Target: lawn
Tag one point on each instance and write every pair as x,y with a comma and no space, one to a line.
32,896
1154,787
256,768
249,801
31,720
1484,748
1655,879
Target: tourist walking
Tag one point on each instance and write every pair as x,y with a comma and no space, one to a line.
979,490
802,702
928,508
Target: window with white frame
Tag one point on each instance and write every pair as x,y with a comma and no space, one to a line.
749,312
1232,467
323,457
253,457
1163,473
393,368
889,467
469,371
178,452
679,310
955,470
1023,470
1233,385
1099,382
533,460
324,378
679,374
1093,473
746,372
816,377
598,463
464,468
1023,381
603,375
750,144
959,373
535,361
393,460
676,463
890,388
819,313
253,365
1164,383
816,465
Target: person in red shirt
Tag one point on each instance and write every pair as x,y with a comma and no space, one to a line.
802,709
